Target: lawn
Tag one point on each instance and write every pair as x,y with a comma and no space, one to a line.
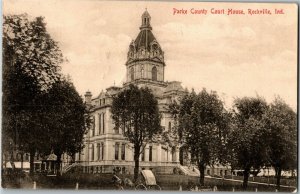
104,182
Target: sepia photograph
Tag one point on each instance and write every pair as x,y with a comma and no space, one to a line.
149,96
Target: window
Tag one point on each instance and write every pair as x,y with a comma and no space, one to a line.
104,101
173,152
93,126
102,151
123,152
131,74
142,71
117,151
99,151
99,115
154,74
79,156
143,155
123,170
123,129
170,126
150,153
92,152
116,130
103,123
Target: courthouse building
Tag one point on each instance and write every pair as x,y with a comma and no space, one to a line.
106,149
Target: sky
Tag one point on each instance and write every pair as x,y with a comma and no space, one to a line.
236,55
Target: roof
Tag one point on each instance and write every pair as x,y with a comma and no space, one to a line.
174,86
146,14
144,39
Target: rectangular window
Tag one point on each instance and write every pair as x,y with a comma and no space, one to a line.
79,156
103,122
116,131
123,152
117,151
123,129
150,153
93,127
102,151
99,123
92,152
98,151
143,155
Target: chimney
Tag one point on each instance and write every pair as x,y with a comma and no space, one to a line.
88,98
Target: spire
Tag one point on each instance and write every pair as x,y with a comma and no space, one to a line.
146,21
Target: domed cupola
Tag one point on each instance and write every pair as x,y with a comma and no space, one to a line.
145,46
145,58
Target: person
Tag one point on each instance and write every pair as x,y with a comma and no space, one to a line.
118,182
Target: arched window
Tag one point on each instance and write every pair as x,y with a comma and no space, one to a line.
154,74
131,73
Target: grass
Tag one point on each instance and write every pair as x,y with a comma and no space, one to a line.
104,182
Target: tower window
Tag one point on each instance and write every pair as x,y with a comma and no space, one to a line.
154,74
131,73
142,72
170,126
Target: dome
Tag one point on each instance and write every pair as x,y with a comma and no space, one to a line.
144,40
145,46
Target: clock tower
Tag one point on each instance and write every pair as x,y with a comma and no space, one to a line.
145,58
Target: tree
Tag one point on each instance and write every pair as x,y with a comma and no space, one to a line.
31,61
136,112
203,124
66,120
247,136
281,122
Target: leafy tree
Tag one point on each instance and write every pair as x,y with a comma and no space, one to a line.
31,61
247,137
66,120
136,111
281,122
203,124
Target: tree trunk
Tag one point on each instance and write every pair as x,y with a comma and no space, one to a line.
31,161
136,164
246,177
58,162
201,167
278,176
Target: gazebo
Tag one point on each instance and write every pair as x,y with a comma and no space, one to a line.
51,164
